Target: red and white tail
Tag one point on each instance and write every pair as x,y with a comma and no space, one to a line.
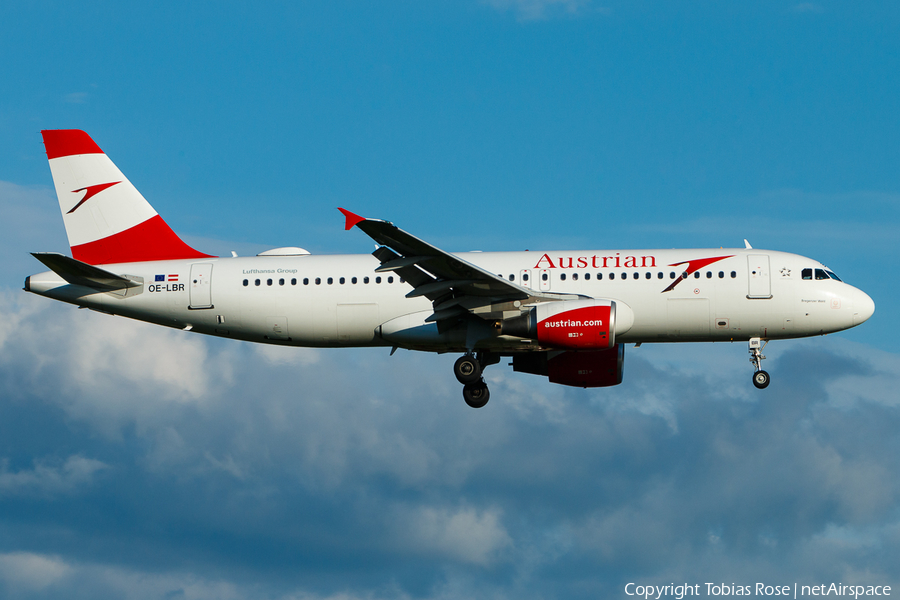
106,218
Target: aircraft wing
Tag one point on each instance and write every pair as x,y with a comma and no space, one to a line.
454,286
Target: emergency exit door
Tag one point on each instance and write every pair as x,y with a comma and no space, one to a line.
201,285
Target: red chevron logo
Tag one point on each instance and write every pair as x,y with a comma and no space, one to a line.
692,266
92,190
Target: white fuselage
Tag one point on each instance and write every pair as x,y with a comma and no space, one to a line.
339,300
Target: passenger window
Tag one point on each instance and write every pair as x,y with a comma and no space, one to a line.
659,275
391,279
281,281
562,276
246,282
257,282
353,280
293,281
612,275
820,274
544,276
306,281
512,277
587,276
696,274
637,275
721,274
341,280
525,277
649,275
318,280
400,280
365,280
599,276
709,274
734,274
574,276
624,276
671,274
378,279
268,282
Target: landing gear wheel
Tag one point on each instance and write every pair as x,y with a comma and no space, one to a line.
476,394
467,369
761,379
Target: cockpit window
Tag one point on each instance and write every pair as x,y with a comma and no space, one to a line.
821,274
806,273
832,275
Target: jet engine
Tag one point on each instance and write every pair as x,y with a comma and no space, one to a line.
572,325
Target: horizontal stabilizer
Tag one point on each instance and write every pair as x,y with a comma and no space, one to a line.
80,273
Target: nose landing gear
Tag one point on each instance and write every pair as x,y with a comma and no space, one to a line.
468,369
760,378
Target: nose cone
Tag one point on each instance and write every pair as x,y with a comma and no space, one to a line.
863,307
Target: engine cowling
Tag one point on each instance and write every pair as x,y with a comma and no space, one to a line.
572,325
585,368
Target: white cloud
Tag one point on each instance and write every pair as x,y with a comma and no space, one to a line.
108,370
45,478
352,452
26,571
465,534
879,384
285,355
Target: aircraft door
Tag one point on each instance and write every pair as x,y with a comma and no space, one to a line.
525,278
544,275
760,285
201,285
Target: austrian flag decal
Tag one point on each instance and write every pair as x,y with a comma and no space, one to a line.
166,278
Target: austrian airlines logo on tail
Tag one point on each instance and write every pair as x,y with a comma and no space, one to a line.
92,190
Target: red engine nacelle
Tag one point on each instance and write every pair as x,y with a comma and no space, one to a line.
576,325
568,325
585,368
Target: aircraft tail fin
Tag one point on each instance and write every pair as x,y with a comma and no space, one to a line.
107,220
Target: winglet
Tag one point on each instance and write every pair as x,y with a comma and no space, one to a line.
352,219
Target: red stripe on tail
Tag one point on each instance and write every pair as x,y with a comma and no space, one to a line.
68,142
151,240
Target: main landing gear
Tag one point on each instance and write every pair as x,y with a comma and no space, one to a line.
467,369
760,378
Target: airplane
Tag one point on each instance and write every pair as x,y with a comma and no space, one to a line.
565,315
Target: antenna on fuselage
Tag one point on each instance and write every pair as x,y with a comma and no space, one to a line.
747,245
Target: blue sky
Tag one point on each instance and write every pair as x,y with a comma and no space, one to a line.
145,463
